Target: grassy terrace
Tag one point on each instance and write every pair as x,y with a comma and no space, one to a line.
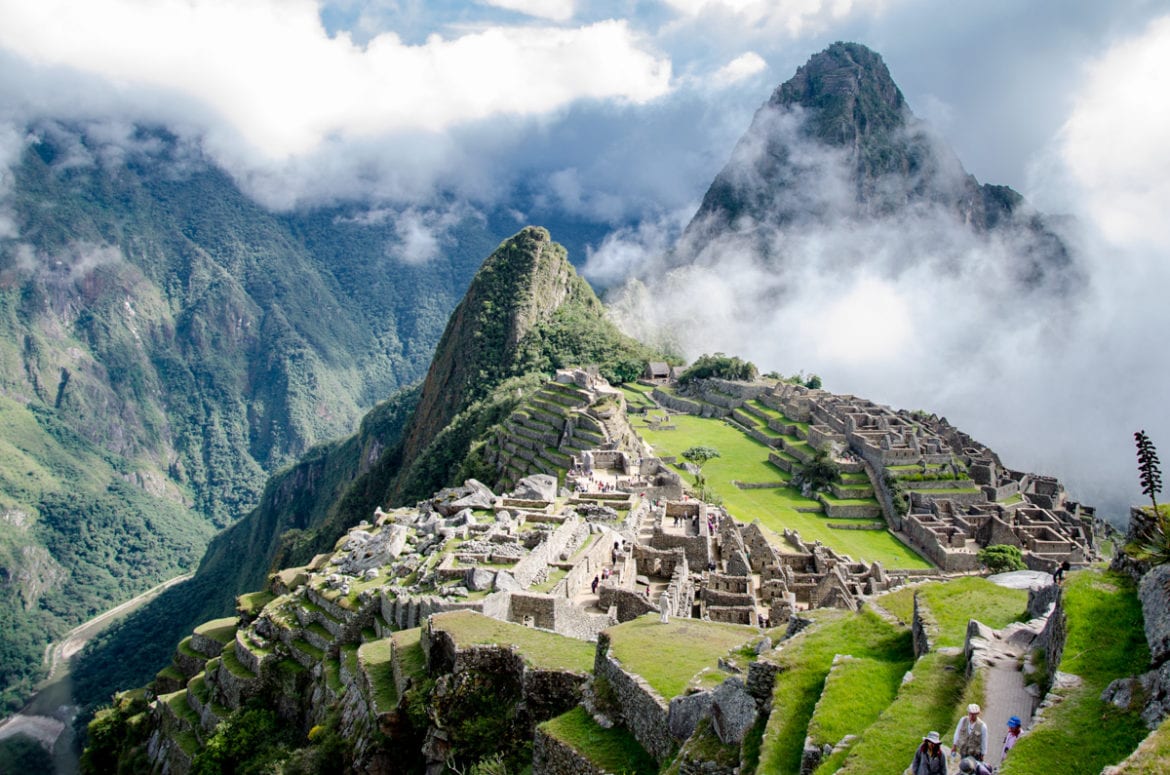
744,459
540,649
374,658
612,750
219,630
930,701
251,603
954,603
407,647
805,662
777,415
1105,641
669,655
855,695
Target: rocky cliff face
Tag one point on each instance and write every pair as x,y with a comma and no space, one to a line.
838,143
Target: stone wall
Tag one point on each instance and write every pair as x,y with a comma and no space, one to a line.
548,551
696,548
644,712
550,756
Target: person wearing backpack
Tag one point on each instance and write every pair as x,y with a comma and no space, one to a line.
971,735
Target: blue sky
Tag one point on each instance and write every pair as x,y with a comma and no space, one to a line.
623,112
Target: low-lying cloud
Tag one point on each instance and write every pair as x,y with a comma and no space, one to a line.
916,310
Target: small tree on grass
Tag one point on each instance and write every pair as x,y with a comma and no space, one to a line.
1001,558
817,474
699,456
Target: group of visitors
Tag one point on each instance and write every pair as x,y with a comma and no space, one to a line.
970,743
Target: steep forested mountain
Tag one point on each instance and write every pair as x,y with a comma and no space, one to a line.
525,314
165,344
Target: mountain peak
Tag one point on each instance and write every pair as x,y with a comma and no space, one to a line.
849,93
837,144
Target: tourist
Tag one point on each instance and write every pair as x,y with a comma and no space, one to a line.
929,759
596,581
1058,574
970,735
970,765
1013,734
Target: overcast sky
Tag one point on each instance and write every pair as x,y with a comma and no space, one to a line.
623,111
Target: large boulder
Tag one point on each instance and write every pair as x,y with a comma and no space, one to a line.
538,487
370,551
478,497
685,713
1154,592
733,711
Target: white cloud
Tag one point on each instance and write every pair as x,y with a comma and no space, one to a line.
792,16
743,66
554,10
1115,142
273,76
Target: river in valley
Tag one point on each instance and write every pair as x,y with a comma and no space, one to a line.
48,716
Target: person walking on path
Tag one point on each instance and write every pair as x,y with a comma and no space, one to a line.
929,758
970,735
1013,734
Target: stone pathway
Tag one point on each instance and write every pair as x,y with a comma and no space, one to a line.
1002,660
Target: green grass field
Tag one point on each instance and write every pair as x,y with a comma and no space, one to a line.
540,648
613,750
805,663
669,655
744,459
954,603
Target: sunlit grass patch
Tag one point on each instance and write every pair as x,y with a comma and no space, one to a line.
539,648
955,602
612,750
669,655
805,662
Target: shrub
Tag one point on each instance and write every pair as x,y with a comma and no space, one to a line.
720,366
1000,558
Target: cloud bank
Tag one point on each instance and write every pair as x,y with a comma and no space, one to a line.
916,311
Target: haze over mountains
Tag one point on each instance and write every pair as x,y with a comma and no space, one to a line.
137,271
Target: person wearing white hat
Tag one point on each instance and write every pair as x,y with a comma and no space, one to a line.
970,735
929,758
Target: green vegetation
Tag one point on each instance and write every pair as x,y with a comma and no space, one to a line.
374,658
613,750
1082,733
540,648
1000,558
1152,543
818,474
409,653
855,694
23,754
929,701
955,602
805,662
719,366
745,459
117,733
670,655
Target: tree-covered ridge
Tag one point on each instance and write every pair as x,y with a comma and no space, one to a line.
526,314
176,343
